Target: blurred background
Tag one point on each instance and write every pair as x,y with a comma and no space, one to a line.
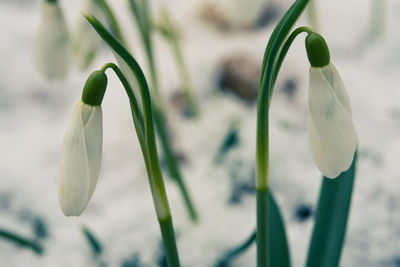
222,43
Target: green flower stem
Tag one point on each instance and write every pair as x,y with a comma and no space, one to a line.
113,23
141,12
167,232
156,180
272,39
172,163
149,146
268,75
140,9
285,49
21,241
136,113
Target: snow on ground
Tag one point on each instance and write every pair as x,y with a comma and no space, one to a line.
34,113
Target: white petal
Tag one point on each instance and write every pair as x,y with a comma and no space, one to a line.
93,129
52,45
87,42
73,181
333,78
332,135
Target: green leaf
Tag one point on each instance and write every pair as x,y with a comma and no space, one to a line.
94,243
331,219
278,250
231,140
21,241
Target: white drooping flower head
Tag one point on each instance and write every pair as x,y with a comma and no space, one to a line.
81,152
80,159
52,44
332,136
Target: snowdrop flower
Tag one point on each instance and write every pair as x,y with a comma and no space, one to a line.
332,135
82,148
52,44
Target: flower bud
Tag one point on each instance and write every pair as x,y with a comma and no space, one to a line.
82,148
80,160
95,88
317,50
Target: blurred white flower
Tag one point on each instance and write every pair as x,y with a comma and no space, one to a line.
52,44
87,42
80,159
332,135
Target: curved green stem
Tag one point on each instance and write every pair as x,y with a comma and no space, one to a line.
149,133
284,50
149,148
272,50
141,14
272,40
140,10
136,113
268,75
173,168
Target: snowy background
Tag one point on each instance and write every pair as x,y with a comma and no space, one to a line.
34,114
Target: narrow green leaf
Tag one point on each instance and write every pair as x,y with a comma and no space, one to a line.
278,249
331,219
237,251
94,243
21,241
280,32
231,140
